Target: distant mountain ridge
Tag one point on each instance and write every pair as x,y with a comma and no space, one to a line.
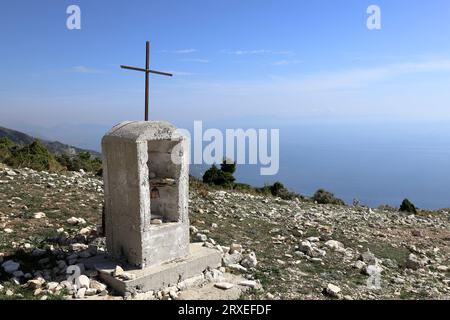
55,147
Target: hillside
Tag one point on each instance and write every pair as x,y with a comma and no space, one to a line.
304,250
55,147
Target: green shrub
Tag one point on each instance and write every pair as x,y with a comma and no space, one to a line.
277,188
6,146
83,160
242,187
221,177
211,175
35,156
407,206
324,197
228,166
225,179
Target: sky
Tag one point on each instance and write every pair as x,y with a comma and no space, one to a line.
252,62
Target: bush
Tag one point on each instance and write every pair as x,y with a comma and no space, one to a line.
225,179
277,188
35,156
407,206
242,187
83,161
211,175
324,197
228,166
221,177
6,146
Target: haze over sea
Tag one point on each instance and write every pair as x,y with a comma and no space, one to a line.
376,163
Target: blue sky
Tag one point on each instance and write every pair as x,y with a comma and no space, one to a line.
249,61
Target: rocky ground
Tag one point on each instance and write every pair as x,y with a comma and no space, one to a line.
293,249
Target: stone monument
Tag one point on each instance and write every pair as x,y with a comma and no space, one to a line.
146,182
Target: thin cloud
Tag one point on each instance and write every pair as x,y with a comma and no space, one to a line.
196,60
259,51
286,62
350,79
357,78
181,73
84,69
181,51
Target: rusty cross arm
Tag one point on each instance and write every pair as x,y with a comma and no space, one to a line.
148,71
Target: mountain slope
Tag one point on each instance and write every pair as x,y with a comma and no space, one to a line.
55,147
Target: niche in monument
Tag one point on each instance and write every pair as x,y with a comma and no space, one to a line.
163,181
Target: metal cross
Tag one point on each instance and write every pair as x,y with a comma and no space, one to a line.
147,73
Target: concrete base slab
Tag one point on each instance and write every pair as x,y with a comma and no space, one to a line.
210,292
160,276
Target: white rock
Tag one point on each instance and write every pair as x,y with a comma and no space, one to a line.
97,285
249,283
72,221
8,230
10,172
235,247
234,258
79,246
39,215
75,221
250,261
334,245
118,271
191,282
128,276
91,292
156,221
83,281
214,275
66,284
201,237
35,283
237,267
372,269
81,293
85,231
306,248
173,295
224,285
359,265
442,268
52,286
10,266
333,290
